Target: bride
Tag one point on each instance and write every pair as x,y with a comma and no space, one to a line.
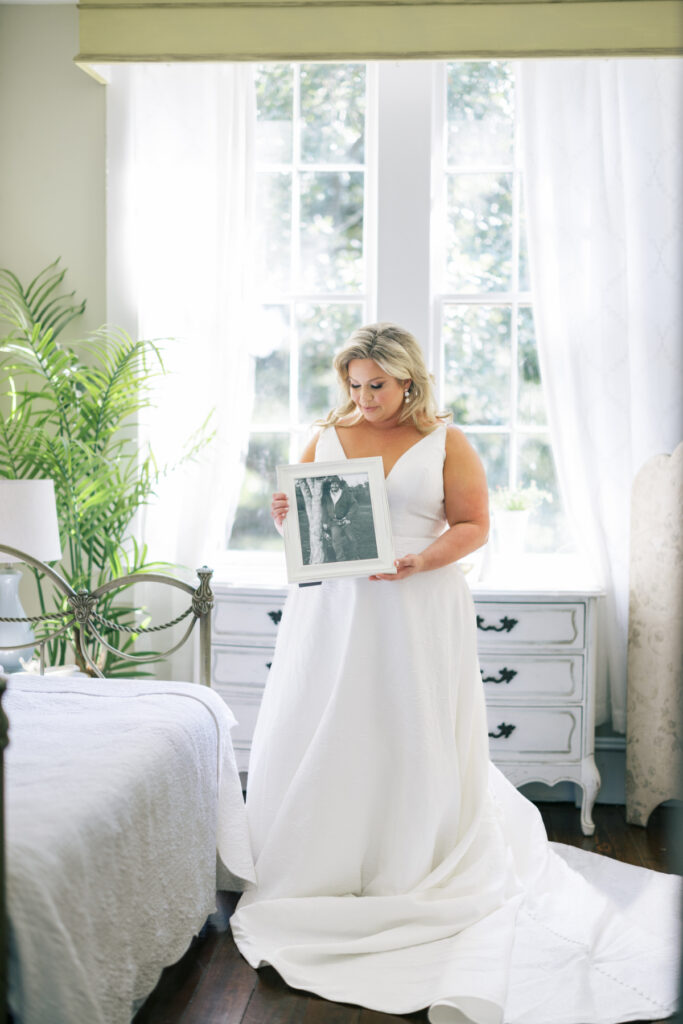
396,867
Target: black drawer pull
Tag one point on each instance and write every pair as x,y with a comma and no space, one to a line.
506,625
506,676
275,616
268,664
503,731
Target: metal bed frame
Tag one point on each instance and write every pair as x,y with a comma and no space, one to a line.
86,623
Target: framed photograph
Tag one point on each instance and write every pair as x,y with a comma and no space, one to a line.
338,522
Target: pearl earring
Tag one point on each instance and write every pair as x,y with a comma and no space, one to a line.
406,394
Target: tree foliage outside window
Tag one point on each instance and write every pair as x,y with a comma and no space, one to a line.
491,379
311,265
312,276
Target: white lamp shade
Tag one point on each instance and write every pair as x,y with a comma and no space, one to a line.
28,519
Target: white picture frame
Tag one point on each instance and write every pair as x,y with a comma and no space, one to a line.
338,522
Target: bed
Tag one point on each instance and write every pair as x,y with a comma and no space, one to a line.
123,815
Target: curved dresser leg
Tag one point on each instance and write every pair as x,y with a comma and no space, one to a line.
590,784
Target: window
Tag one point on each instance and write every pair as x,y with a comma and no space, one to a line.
313,264
488,361
318,236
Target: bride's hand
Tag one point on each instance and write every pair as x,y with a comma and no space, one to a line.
406,566
279,507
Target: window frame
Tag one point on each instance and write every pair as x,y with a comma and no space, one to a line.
292,296
514,299
406,130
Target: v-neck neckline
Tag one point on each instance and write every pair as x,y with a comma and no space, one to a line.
401,456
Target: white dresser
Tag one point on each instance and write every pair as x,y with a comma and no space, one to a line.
537,656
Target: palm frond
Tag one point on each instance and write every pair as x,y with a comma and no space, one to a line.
71,414
17,441
35,303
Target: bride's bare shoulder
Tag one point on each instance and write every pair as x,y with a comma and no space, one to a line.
459,448
347,421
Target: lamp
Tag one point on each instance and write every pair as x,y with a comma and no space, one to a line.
28,522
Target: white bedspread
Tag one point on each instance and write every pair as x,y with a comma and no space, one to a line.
120,795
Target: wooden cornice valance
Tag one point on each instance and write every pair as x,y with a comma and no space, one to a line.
200,30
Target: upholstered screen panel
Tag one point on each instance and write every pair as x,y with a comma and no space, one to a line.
655,638
170,30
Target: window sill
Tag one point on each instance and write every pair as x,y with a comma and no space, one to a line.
250,568
562,573
528,572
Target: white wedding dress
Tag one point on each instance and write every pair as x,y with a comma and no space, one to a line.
396,867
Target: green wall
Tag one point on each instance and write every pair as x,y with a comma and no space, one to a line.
52,141
113,30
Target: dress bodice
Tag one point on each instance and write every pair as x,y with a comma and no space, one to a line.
414,487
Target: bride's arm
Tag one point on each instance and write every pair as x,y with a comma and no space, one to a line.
279,506
467,510
467,504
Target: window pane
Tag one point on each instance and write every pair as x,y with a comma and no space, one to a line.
531,400
273,230
332,113
253,527
331,231
271,366
322,331
494,452
480,112
524,281
477,363
548,528
479,232
274,104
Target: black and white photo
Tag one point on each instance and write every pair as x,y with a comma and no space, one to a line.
342,524
335,518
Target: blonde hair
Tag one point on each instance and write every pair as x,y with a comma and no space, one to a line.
399,354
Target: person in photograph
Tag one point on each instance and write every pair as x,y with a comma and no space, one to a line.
339,510
397,868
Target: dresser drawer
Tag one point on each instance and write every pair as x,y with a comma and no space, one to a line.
235,664
244,702
530,734
509,625
240,619
509,678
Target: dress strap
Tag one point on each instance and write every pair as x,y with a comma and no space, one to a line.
439,434
328,447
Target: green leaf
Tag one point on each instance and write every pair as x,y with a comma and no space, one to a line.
70,413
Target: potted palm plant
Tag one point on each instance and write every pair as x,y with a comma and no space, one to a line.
69,412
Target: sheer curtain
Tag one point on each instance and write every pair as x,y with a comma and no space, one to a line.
181,175
604,204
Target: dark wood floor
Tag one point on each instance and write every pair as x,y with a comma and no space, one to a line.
213,984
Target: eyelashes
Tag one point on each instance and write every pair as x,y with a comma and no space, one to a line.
374,387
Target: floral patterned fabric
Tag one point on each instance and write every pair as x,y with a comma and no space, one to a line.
655,638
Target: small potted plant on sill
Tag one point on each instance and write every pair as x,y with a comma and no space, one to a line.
511,510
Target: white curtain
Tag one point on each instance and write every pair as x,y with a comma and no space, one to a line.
604,204
181,174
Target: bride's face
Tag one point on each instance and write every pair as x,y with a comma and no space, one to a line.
378,396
